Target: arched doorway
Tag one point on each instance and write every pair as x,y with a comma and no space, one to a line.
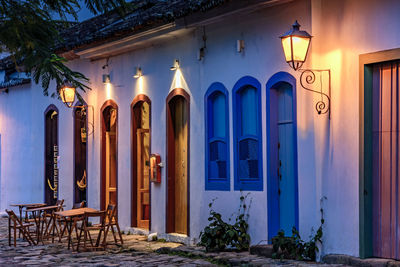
109,154
80,153
51,155
140,165
282,154
178,118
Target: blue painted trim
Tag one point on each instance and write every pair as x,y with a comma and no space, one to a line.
214,184
253,184
272,182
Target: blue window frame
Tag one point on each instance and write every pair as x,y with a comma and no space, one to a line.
217,138
247,141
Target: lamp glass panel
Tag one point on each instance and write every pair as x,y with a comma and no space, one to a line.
68,94
287,48
300,48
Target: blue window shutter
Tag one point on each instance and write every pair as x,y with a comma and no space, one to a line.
247,135
217,138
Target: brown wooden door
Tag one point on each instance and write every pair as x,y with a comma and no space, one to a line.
386,161
141,139
143,172
109,185
51,155
178,163
80,154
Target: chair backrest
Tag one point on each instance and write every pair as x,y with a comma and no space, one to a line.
78,205
95,214
60,203
13,217
111,213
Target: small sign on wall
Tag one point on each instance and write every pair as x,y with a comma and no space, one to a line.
155,168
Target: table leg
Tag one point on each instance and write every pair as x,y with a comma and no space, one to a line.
20,212
69,228
37,225
41,229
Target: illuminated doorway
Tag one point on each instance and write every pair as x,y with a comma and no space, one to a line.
178,162
141,137
109,155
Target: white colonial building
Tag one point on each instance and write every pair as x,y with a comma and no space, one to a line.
231,119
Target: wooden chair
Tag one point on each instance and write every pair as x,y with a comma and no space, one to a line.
112,221
86,227
48,217
22,227
62,222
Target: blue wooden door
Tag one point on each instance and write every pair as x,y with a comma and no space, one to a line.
282,158
286,159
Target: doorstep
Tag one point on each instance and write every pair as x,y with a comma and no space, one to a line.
177,238
354,261
136,231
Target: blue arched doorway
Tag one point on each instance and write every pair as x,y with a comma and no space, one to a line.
282,180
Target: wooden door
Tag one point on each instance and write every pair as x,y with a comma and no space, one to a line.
386,161
286,164
109,184
141,162
80,154
178,163
51,155
282,158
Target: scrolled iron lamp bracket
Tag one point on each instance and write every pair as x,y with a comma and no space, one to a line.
308,78
295,44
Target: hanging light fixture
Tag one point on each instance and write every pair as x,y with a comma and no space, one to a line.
138,72
295,44
175,65
67,93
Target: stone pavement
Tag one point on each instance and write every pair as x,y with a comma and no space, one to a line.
136,251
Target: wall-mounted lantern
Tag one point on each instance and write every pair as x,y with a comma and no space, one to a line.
295,44
175,65
138,72
67,93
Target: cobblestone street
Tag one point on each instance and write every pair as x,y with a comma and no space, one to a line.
135,252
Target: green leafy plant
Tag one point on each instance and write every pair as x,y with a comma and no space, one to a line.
219,235
293,247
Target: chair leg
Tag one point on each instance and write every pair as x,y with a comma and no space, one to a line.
9,231
120,235
15,236
113,232
79,240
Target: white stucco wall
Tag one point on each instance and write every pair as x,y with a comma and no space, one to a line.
342,31
327,149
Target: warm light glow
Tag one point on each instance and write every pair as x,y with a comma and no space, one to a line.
179,81
108,90
295,44
67,95
141,85
300,48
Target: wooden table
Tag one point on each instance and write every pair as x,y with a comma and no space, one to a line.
37,214
69,216
31,205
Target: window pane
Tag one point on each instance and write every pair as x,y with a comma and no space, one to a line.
248,159
248,108
217,163
218,115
